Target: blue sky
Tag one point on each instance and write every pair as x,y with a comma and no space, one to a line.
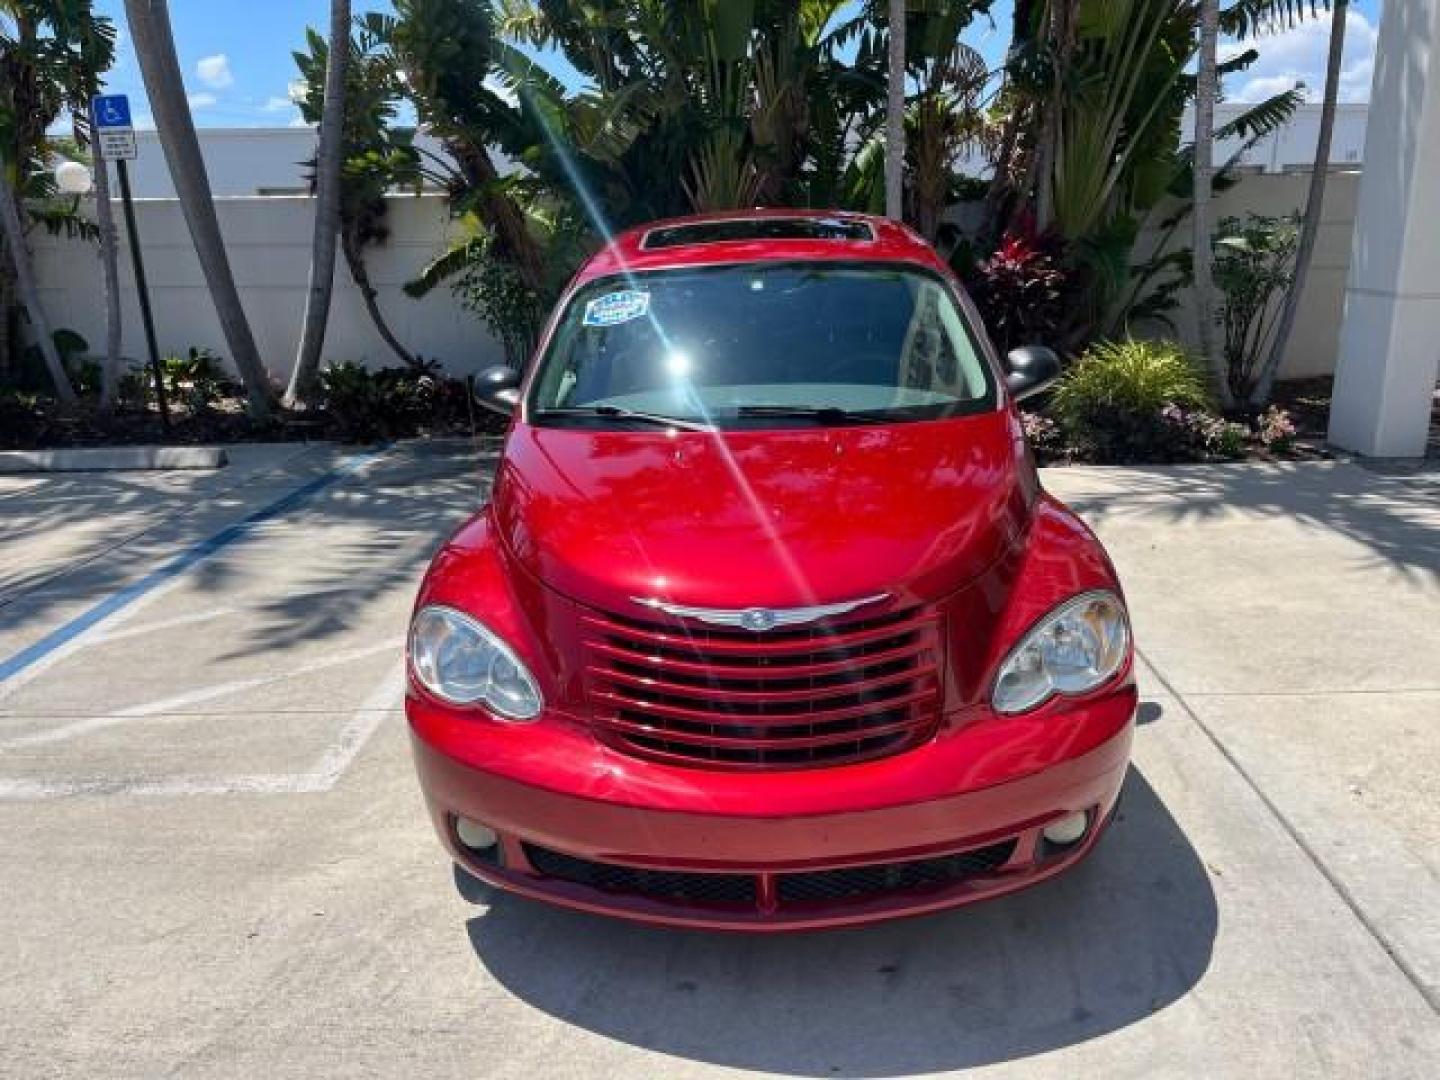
237,64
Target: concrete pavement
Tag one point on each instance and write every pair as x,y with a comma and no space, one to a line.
216,862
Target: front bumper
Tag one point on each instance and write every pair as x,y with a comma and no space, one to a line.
693,859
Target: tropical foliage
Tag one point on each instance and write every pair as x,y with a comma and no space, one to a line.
1059,185
1254,267
51,55
377,156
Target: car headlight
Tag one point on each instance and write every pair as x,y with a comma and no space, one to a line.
460,661
1077,647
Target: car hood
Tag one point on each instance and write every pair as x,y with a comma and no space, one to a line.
785,518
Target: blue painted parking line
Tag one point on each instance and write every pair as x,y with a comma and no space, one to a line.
122,599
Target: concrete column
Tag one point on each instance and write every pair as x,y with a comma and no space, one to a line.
1390,341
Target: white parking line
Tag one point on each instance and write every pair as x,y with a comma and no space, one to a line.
179,702
321,777
108,635
363,724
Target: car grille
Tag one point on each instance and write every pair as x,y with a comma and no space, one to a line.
708,890
715,890
826,694
827,886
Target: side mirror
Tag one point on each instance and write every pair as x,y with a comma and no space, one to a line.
1033,370
498,389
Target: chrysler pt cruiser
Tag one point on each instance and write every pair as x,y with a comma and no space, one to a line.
769,623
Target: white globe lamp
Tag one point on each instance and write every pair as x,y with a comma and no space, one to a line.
72,178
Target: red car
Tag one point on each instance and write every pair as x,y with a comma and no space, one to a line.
769,624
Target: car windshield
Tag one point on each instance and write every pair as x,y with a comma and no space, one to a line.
762,344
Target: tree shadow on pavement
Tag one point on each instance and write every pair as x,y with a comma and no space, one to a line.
1396,517
373,534
1120,937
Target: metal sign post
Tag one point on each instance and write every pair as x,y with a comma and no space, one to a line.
115,137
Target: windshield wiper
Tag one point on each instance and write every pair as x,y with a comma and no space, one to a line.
827,414
614,412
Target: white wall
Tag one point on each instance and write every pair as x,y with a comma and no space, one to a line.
1293,146
1315,343
269,244
239,161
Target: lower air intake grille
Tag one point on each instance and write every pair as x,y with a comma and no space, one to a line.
742,890
859,882
667,885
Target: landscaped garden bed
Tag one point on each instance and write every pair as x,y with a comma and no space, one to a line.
356,405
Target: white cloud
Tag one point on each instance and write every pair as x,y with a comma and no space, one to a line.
277,104
202,101
214,71
1299,55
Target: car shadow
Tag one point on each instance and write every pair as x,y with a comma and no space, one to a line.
1117,939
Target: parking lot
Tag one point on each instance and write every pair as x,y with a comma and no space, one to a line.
216,862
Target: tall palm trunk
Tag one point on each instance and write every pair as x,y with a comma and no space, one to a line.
155,48
355,260
13,233
1002,186
895,116
1314,210
7,309
1206,91
329,161
1060,39
110,263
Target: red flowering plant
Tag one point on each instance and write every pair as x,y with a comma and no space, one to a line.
1022,289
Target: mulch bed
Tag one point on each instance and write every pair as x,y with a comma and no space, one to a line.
1308,403
36,424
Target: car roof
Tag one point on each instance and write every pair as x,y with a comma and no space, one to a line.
637,249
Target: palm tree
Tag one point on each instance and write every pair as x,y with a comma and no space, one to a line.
1206,90
1314,207
110,265
895,116
155,48
446,50
945,118
12,239
327,208
51,56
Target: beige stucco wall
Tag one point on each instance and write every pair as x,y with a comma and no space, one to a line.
1315,343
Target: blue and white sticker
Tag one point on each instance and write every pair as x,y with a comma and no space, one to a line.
615,308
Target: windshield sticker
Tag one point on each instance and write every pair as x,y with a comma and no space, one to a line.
617,308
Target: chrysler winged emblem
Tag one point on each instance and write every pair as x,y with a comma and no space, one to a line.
759,620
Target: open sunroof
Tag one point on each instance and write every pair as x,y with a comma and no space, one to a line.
767,228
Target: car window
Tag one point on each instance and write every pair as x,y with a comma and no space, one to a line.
709,344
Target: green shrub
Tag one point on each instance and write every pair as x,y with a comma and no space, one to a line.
1112,403
196,380
365,405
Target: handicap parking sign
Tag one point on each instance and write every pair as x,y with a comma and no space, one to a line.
112,111
115,135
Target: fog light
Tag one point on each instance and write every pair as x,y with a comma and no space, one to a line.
473,835
1068,829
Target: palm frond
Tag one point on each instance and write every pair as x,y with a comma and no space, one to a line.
1264,118
1247,18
